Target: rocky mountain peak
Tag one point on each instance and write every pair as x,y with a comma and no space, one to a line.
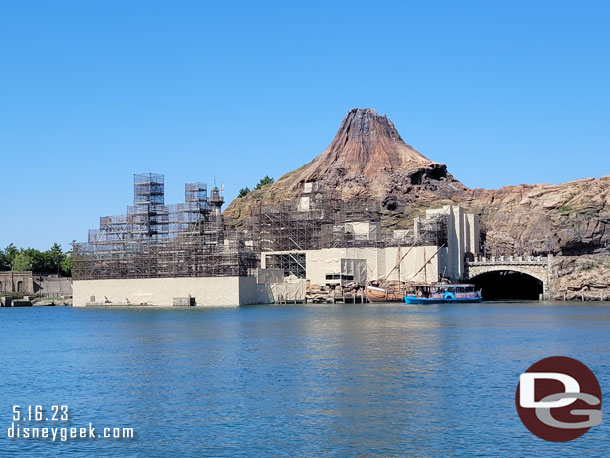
367,158
366,145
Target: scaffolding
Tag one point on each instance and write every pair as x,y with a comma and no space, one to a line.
314,220
155,240
432,230
191,239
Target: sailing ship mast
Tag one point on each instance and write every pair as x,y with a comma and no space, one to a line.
399,261
426,262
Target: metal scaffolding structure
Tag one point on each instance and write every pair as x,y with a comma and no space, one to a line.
190,239
432,230
316,220
156,240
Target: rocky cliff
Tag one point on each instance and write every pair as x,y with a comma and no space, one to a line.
581,278
567,219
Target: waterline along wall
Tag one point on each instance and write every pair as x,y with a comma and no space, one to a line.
203,291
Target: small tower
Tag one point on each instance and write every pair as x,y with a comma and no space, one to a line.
216,201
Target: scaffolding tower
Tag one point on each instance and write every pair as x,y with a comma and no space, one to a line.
156,240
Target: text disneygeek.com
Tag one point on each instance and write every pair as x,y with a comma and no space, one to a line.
23,415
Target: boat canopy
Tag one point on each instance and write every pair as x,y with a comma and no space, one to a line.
445,286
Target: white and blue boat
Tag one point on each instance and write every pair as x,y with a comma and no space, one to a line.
443,293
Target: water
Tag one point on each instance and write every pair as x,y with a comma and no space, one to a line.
341,380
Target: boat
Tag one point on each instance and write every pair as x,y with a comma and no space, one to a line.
443,294
384,290
379,294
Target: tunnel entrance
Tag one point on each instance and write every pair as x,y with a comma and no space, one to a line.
507,285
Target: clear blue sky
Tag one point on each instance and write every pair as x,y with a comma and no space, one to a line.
92,92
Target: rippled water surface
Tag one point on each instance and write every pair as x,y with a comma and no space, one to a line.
341,380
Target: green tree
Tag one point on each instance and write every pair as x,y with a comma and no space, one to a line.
22,262
39,261
55,257
66,265
264,181
51,261
243,192
11,253
5,264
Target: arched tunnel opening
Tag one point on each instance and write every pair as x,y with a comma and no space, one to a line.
507,285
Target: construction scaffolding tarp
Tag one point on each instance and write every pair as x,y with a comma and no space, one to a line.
353,270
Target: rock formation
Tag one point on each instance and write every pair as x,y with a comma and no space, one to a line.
581,278
566,219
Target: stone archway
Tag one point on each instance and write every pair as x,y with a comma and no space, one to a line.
508,285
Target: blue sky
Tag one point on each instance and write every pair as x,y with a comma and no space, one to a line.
92,92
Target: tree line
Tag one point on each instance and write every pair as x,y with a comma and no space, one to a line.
52,261
263,182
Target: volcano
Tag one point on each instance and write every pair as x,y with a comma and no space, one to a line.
367,158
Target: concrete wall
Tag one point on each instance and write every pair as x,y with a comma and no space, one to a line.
53,286
414,261
379,262
463,235
208,291
473,234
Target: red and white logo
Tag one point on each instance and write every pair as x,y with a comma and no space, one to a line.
559,399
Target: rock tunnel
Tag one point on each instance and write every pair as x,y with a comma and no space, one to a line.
508,285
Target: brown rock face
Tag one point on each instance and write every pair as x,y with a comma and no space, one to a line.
581,277
368,157
366,145
568,219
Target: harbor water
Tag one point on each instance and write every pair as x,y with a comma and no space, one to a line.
369,380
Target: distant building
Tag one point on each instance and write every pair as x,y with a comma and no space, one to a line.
17,282
28,283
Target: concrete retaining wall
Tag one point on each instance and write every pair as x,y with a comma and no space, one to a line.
208,291
379,262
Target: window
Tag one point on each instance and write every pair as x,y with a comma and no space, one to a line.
20,287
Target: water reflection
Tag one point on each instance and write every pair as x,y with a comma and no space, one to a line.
343,380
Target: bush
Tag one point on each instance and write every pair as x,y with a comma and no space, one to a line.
264,182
